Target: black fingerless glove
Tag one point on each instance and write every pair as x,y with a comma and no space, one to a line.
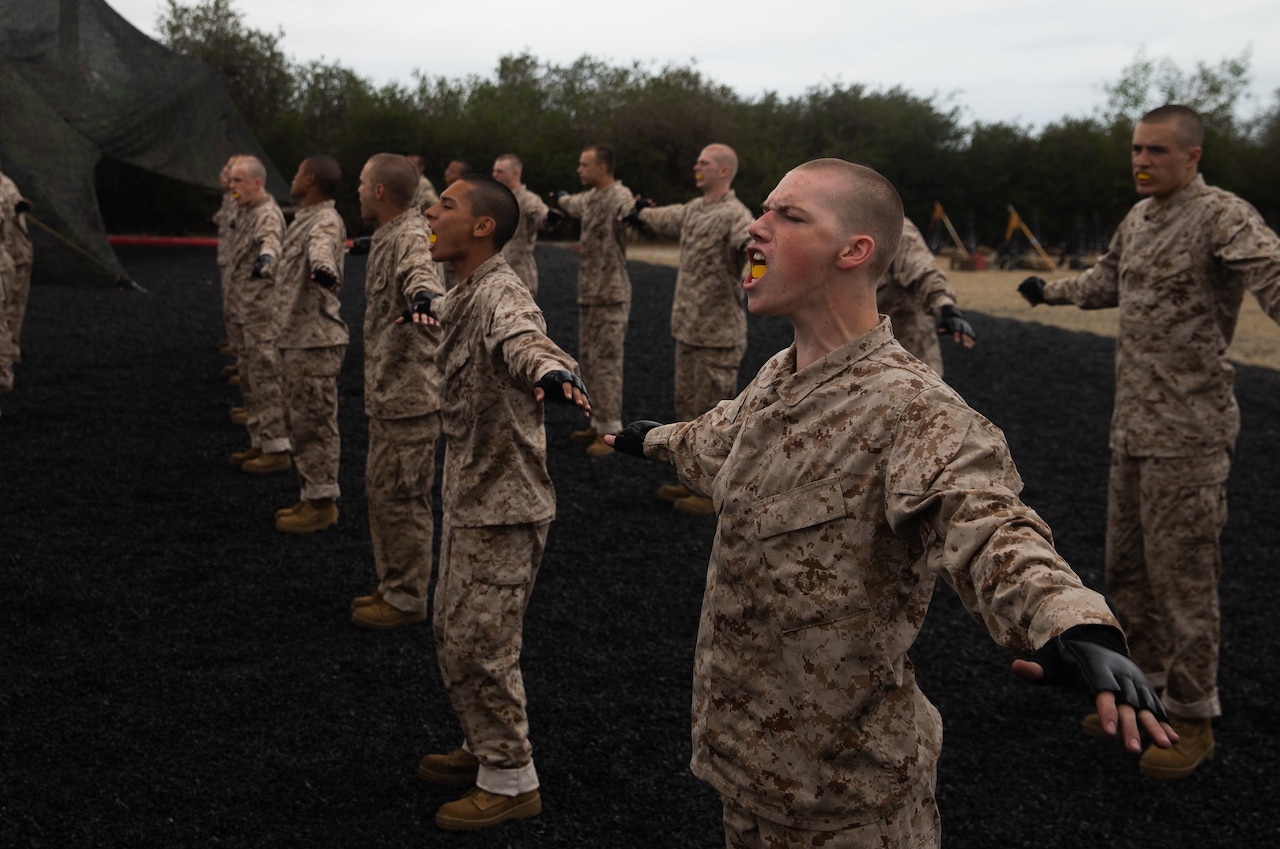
360,245
1092,658
951,320
552,385
630,440
1033,290
419,304
326,277
260,267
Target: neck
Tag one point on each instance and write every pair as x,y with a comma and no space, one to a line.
465,266
715,193
390,213
845,314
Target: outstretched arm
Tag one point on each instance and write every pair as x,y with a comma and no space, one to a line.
1092,659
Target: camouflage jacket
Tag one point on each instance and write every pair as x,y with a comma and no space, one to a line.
707,308
911,293
494,349
400,376
841,493
308,311
259,230
225,218
1178,272
602,272
519,250
425,195
17,238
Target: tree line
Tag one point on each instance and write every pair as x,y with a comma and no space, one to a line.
1070,180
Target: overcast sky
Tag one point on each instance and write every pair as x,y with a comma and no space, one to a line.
1017,62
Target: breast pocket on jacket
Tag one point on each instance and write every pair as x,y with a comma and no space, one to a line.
810,557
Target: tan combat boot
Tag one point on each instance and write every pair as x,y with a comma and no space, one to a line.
480,809
267,464
1194,747
312,516
586,436
239,458
673,492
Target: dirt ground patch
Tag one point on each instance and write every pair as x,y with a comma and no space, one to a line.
174,673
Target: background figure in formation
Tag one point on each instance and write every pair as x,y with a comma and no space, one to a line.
401,397
535,215
252,302
17,241
847,478
604,290
1178,268
424,194
313,340
707,318
920,302
497,366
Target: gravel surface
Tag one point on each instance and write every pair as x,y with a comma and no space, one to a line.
176,673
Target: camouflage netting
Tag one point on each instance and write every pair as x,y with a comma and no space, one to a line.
80,83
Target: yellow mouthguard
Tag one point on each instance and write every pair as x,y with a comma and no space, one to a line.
431,239
757,270
1143,175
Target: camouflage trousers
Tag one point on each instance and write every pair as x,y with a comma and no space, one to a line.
311,414
17,291
602,330
261,385
399,475
914,825
482,592
1164,517
6,344
704,378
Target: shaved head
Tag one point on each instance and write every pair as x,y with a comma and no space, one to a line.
1188,128
398,176
724,156
865,203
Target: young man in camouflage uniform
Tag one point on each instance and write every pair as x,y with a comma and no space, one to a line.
401,397
7,272
920,302
313,340
535,215
252,302
498,366
424,195
1178,268
18,243
707,318
604,290
225,219
847,478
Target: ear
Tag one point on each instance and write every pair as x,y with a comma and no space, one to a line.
484,227
856,251
379,191
1194,154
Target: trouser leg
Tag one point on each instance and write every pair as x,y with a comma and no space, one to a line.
398,478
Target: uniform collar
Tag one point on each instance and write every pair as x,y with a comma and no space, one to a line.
793,387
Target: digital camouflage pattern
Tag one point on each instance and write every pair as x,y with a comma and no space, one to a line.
518,251
602,268
707,309
399,472
1178,272
308,312
312,338
498,502
18,242
311,416
707,315
400,376
494,349
425,195
259,230
911,293
842,492
482,592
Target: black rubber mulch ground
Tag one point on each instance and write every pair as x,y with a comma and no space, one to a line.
176,673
